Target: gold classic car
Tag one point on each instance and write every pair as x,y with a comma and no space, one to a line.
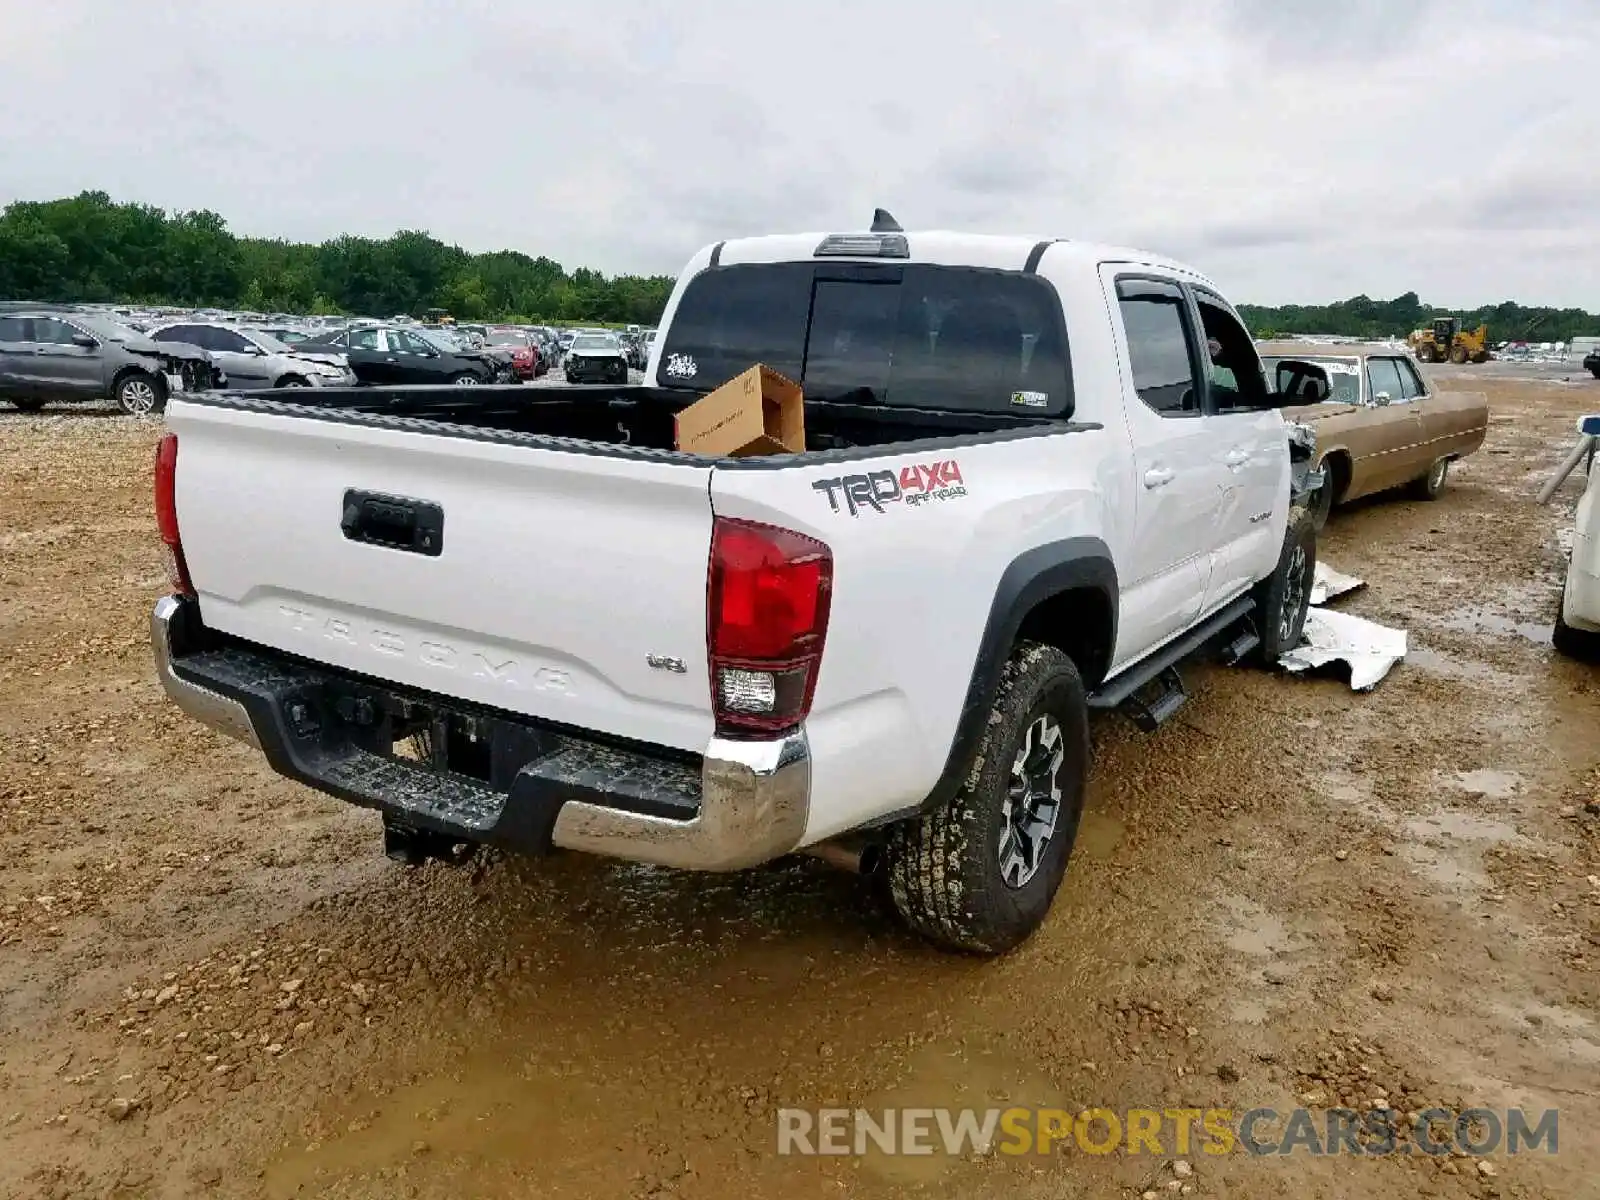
1384,424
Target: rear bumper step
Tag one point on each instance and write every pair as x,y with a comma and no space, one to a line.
443,767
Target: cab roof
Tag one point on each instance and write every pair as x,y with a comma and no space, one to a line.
945,247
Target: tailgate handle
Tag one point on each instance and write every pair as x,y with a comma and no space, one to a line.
393,522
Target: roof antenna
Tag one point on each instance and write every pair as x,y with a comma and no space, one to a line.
884,222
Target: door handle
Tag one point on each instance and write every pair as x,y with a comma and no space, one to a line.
1157,477
1237,459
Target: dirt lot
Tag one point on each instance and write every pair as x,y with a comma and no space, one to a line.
211,981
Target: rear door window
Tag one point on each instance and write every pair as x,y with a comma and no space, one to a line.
13,329
912,335
1161,355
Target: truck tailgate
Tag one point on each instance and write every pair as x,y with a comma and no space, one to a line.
558,578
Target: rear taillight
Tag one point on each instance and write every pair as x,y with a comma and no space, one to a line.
767,616
167,514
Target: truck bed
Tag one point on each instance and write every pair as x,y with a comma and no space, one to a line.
632,419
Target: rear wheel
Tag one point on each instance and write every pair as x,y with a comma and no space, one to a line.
1284,597
466,379
1431,485
27,403
1458,355
978,873
140,394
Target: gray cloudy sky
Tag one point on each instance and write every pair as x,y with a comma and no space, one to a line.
1296,150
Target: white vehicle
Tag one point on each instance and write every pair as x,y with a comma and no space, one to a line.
1029,491
1577,627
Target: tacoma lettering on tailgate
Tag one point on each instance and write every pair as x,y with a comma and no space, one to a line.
429,652
918,483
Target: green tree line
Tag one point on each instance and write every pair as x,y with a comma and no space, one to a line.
1362,316
90,248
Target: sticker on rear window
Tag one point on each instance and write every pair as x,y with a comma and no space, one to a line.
1031,399
682,366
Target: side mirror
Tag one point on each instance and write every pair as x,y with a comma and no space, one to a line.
84,341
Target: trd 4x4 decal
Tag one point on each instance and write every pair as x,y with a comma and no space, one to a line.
918,483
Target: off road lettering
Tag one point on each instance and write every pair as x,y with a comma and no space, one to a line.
916,483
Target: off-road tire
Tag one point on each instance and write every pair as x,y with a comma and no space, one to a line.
28,404
1459,355
1431,485
1287,588
943,867
1425,353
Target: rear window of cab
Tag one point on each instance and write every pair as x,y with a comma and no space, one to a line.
911,335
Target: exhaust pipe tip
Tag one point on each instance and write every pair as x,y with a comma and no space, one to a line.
858,856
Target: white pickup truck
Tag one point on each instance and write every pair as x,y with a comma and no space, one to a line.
1038,475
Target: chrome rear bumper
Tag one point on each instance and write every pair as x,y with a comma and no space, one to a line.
746,804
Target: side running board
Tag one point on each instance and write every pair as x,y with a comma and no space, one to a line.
1160,668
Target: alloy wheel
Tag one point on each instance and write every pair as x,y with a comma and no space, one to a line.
1294,595
1033,802
137,398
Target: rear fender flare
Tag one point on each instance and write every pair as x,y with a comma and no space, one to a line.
1033,576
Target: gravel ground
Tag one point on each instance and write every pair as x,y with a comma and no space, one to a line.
212,982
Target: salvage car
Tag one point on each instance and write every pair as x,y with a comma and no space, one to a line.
1382,425
1027,491
526,360
253,358
387,354
596,358
70,356
1591,363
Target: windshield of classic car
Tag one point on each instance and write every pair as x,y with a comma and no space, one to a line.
1344,376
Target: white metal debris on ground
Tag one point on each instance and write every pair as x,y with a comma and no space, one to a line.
1329,583
1368,648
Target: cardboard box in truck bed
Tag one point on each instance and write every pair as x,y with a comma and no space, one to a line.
757,412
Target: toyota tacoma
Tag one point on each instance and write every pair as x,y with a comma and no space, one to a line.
1038,475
